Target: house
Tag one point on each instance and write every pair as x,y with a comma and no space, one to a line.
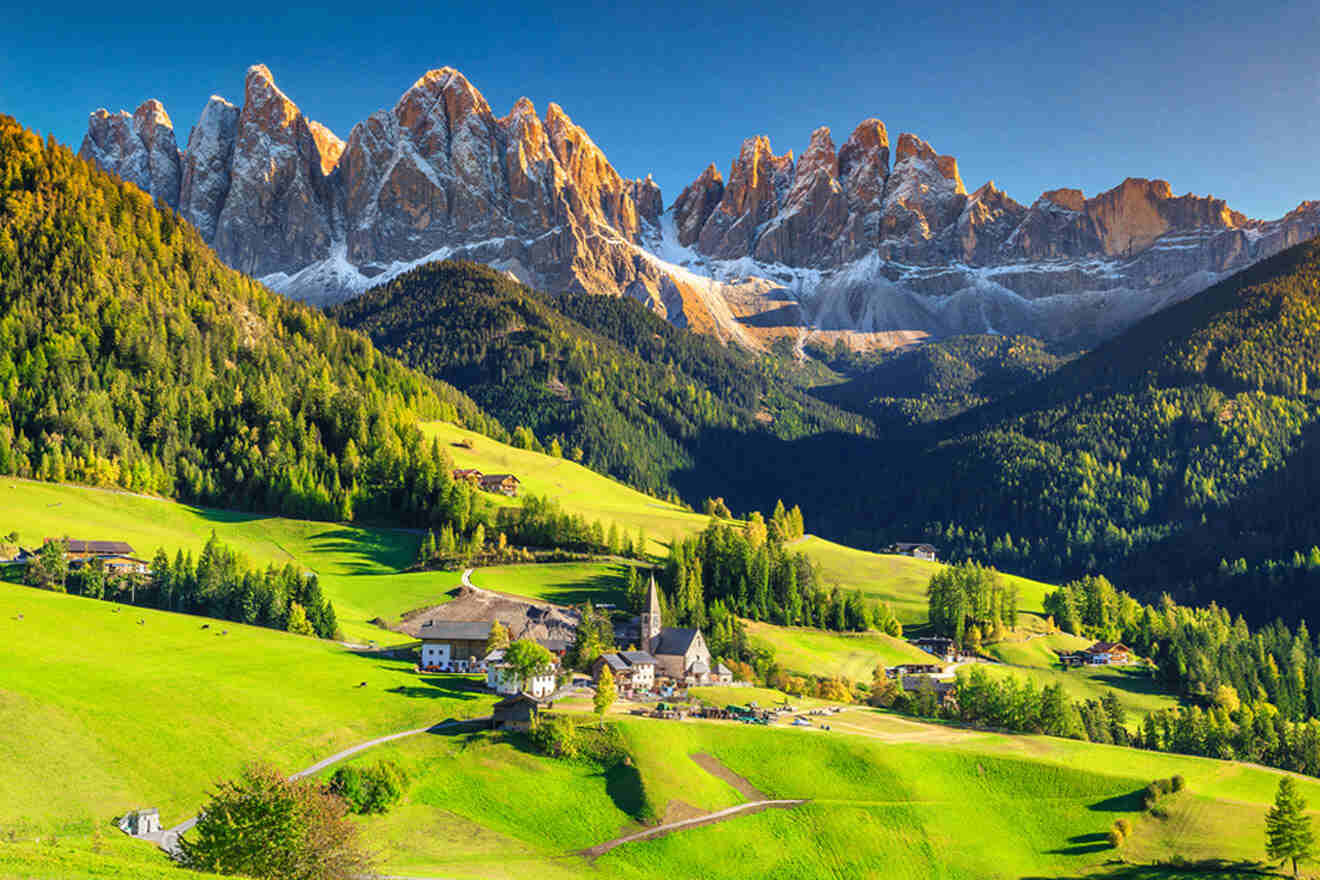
917,551
471,476
632,670
722,674
504,484
680,652
80,552
501,678
140,822
453,645
125,565
941,647
913,669
516,712
1108,654
945,686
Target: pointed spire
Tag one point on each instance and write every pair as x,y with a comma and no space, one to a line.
653,599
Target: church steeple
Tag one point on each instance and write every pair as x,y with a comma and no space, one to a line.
651,618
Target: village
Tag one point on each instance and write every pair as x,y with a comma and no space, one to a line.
473,634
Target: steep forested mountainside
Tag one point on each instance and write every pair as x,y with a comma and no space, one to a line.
1188,440
600,377
131,357
934,380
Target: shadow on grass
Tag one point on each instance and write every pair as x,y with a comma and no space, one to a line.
1123,803
440,687
1134,681
623,781
1083,844
603,587
369,551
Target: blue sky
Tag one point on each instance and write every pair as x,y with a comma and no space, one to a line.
1218,98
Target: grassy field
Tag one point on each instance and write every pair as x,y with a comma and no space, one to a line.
1039,652
811,651
1137,692
899,580
578,489
359,568
565,583
128,714
896,798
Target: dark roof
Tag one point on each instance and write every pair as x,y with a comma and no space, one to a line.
466,472
99,548
471,630
556,646
637,657
514,699
491,478
614,662
905,546
1106,647
674,640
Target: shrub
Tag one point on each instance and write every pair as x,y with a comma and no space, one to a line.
1124,826
1177,782
266,825
1115,838
370,788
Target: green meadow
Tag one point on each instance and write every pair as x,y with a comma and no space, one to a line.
852,655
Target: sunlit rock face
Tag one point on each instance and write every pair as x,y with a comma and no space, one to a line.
858,238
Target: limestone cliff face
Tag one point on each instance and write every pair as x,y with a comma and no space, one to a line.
853,238
139,147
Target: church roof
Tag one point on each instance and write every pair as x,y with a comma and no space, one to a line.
673,640
653,599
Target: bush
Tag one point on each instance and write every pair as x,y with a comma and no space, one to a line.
370,788
1124,826
266,825
1177,782
1115,838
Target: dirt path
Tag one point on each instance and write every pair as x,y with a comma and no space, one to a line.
714,767
696,822
168,840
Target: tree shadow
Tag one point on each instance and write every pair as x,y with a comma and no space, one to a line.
369,550
1083,844
435,687
623,783
1211,868
1123,803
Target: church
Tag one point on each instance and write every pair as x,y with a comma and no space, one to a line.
680,652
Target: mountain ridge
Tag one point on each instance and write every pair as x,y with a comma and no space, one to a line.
836,244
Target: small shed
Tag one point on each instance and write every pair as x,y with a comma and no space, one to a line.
516,712
140,822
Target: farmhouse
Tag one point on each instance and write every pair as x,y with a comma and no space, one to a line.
501,678
453,645
471,476
504,484
516,712
633,671
1098,654
917,551
680,652
913,669
140,822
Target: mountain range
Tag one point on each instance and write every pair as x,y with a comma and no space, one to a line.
841,243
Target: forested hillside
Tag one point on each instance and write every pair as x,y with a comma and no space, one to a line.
599,378
934,380
1185,442
131,357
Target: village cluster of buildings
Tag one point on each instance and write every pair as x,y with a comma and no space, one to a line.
501,484
669,658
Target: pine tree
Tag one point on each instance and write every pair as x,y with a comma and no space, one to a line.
1288,833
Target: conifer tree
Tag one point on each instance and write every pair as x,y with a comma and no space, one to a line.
605,692
1288,832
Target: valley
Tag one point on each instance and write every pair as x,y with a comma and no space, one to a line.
440,502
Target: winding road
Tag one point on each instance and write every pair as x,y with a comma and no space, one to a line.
168,839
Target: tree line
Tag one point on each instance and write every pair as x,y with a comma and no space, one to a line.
216,584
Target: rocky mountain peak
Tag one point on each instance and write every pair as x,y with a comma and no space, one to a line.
206,179
140,148
694,205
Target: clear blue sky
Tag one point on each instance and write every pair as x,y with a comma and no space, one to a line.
1215,97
